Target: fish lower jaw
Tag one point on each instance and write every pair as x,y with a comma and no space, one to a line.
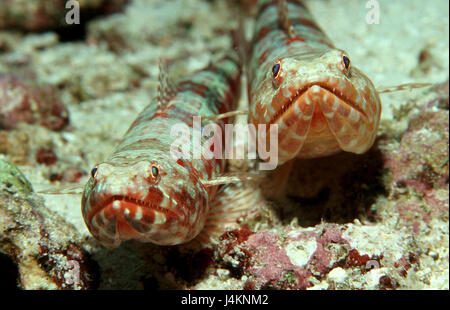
123,217
312,94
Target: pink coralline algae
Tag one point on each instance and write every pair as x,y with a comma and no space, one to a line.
30,104
325,256
298,259
264,256
419,165
272,265
421,160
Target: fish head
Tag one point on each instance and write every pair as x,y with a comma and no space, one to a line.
321,103
156,201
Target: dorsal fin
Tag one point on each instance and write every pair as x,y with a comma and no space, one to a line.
166,88
283,18
407,86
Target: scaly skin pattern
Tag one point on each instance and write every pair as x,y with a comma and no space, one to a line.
141,192
300,81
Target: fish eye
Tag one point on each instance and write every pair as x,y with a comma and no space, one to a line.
155,171
346,61
276,70
94,171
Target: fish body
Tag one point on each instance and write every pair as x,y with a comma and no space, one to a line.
298,80
141,192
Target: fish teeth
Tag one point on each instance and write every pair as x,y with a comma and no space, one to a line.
138,214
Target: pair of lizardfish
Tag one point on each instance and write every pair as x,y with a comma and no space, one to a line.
298,80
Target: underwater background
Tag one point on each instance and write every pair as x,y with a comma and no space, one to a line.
68,93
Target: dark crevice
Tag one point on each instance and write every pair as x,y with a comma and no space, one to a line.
190,267
77,32
72,33
336,189
9,273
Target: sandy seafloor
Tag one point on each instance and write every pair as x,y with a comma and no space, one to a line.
108,79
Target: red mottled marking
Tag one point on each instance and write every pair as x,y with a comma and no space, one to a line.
125,230
224,106
209,168
154,196
197,88
355,259
262,33
181,162
164,113
263,56
305,22
194,176
237,236
295,39
183,198
151,201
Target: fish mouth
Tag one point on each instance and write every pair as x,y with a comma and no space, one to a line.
131,218
107,202
333,91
